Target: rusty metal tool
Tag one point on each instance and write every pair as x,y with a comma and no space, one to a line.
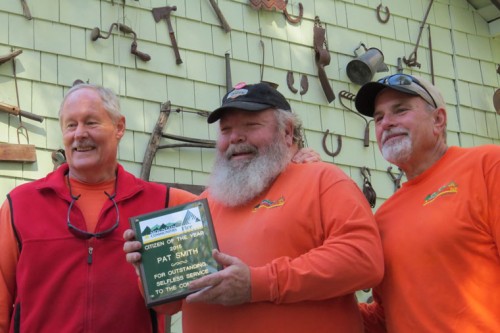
304,84
220,16
396,179
430,53
339,145
368,190
154,140
26,10
191,142
58,158
96,34
229,84
10,56
352,97
322,57
412,58
379,17
290,81
14,110
160,13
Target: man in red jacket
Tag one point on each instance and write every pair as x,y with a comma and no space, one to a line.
61,261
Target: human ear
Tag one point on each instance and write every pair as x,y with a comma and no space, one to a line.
440,119
120,127
289,134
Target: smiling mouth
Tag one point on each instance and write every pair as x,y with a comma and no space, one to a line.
83,149
240,154
393,136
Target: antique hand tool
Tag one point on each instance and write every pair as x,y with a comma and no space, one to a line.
368,190
26,10
96,34
229,83
160,13
10,56
396,179
220,16
352,97
322,58
14,110
412,58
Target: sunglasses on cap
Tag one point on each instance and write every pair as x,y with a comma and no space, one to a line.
407,80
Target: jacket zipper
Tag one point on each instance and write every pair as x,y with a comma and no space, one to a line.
89,256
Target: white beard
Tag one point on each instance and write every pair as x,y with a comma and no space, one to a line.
235,183
397,151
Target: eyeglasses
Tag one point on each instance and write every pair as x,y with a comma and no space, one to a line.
82,234
407,80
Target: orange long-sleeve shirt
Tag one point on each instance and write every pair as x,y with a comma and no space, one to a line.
441,238
310,241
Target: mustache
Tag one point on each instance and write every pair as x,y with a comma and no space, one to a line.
240,148
391,132
82,144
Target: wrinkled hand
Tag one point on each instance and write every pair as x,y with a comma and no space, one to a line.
230,286
306,155
131,247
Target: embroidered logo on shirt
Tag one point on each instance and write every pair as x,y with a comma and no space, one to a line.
449,188
266,203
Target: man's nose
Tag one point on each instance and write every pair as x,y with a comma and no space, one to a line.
237,136
81,131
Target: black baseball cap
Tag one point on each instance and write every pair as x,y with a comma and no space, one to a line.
409,84
250,97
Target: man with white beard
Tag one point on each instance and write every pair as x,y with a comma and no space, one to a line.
441,230
296,240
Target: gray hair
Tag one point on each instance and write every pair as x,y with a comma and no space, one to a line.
110,100
283,118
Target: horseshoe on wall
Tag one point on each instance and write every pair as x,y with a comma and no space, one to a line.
339,145
379,17
290,81
297,19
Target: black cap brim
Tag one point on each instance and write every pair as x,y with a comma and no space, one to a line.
365,98
240,105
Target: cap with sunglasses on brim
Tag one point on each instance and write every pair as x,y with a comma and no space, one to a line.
409,84
250,97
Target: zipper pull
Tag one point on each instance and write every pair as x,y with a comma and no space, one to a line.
89,257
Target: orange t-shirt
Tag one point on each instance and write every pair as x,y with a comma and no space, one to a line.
441,238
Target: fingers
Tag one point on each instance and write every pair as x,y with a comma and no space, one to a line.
229,286
129,235
306,155
131,247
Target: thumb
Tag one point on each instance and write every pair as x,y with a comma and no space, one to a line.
223,259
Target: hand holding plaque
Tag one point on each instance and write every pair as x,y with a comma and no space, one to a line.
177,244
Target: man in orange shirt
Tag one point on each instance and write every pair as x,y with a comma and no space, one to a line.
296,240
441,230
